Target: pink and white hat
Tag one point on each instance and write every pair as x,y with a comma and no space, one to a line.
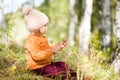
34,19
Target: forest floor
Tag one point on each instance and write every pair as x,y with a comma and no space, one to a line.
13,66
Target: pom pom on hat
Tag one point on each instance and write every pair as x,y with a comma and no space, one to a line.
34,19
27,10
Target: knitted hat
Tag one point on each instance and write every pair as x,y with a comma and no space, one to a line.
34,19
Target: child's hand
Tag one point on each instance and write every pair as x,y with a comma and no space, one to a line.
59,46
63,43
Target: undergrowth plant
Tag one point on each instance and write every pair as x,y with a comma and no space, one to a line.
92,67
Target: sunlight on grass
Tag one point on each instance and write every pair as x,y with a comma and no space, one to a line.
13,65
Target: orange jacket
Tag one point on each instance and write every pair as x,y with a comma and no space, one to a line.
38,51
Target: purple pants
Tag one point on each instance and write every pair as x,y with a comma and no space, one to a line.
56,69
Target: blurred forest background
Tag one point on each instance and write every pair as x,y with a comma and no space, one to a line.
91,28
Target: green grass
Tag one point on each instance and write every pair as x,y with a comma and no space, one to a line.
13,66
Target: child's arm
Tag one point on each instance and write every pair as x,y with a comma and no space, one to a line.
41,54
38,54
47,53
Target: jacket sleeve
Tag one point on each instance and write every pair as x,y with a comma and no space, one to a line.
36,53
41,55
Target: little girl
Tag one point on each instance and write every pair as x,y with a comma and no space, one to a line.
39,52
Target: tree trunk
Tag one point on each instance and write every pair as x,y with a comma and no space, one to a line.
106,25
85,27
116,61
72,24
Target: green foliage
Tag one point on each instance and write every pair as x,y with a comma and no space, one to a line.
14,22
95,48
13,66
2,47
58,13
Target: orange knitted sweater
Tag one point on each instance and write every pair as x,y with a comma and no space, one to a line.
38,51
